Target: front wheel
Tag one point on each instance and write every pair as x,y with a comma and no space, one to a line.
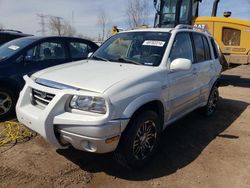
140,140
212,102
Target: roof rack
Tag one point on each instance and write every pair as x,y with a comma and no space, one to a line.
195,27
10,30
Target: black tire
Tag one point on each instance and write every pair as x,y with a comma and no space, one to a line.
131,149
211,105
7,103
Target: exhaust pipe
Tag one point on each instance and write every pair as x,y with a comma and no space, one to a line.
215,7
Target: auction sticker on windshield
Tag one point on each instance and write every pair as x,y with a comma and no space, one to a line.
153,43
14,47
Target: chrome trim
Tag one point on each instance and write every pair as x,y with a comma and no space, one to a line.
54,85
41,98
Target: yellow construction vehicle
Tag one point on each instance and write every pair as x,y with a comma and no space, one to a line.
115,30
232,35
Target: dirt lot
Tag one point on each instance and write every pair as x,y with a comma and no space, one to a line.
195,152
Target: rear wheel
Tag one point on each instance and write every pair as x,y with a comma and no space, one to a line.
7,103
212,102
140,141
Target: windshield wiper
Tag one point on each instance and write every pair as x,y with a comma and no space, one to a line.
125,60
99,58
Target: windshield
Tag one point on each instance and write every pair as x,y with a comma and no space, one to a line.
141,48
12,47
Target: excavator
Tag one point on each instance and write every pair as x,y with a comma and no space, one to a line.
232,35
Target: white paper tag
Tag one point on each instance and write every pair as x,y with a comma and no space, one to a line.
14,47
153,43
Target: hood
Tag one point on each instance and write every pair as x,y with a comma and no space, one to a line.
96,76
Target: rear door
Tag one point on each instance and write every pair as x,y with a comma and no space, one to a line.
204,61
183,93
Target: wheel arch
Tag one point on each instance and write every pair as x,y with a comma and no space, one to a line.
139,105
10,84
215,82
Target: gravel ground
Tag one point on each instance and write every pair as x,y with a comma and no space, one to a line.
195,152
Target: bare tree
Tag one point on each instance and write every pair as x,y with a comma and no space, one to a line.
137,13
103,21
56,25
61,27
68,29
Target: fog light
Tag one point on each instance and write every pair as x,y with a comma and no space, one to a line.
63,142
89,146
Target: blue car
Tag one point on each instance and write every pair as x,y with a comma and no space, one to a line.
30,54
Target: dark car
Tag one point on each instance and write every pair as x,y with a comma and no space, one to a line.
30,54
8,35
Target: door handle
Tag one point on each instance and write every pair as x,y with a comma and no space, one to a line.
195,71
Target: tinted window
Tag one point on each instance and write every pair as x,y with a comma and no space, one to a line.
207,48
46,51
79,50
182,47
215,49
199,48
184,12
168,13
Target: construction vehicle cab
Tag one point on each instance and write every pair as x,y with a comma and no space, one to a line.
171,13
231,34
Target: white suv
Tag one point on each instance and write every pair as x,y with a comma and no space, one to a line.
125,94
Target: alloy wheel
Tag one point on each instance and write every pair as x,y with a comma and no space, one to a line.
5,103
145,140
212,103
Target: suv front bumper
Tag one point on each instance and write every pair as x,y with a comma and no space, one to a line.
85,132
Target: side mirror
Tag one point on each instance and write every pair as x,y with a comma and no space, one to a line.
180,64
27,60
90,54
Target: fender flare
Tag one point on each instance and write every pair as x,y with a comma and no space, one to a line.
213,82
139,102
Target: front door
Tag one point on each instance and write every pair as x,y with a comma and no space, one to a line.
183,92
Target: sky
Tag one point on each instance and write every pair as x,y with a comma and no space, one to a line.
22,14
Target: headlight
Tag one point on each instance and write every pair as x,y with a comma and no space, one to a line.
88,103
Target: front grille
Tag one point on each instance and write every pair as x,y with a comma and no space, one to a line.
41,98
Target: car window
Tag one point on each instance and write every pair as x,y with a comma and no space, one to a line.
79,49
199,48
206,48
46,51
182,47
